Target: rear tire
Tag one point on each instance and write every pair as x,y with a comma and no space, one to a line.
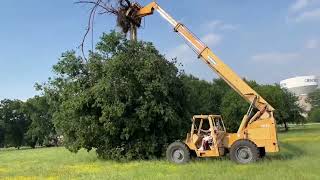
178,153
244,152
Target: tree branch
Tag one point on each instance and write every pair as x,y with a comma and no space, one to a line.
106,8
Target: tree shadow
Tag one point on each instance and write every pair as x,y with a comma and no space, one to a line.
24,148
302,130
287,152
14,149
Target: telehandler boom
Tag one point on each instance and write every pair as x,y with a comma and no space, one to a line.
257,132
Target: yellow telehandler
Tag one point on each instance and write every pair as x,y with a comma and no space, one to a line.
208,137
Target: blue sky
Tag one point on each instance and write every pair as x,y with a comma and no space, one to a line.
266,41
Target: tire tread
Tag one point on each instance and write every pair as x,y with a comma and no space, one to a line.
248,143
181,145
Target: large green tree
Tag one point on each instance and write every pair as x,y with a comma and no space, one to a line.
314,98
127,101
13,122
233,107
204,97
2,133
285,103
314,115
40,130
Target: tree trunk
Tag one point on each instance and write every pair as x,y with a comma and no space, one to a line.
286,128
133,32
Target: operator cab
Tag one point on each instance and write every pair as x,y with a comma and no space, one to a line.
207,132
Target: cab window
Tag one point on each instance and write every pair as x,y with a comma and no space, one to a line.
219,124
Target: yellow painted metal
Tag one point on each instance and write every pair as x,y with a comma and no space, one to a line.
243,123
262,132
260,129
147,10
193,138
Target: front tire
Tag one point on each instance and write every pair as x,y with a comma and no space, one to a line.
178,153
244,152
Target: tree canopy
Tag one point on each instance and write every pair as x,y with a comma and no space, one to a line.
127,101
13,123
204,97
314,115
26,123
314,100
41,130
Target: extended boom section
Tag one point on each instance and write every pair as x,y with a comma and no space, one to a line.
214,62
257,132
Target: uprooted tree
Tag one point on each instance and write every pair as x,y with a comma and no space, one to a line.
127,101
117,8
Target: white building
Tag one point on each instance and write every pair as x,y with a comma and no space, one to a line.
301,86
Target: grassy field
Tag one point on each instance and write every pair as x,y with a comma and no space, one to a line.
299,159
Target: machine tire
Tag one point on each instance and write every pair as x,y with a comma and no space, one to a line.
244,152
178,153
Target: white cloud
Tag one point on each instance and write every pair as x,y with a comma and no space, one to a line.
312,44
184,52
212,39
276,57
304,10
219,25
181,51
308,15
189,61
299,4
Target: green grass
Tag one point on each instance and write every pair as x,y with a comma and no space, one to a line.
299,159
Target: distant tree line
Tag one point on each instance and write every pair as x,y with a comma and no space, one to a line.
26,123
217,97
126,101
314,100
